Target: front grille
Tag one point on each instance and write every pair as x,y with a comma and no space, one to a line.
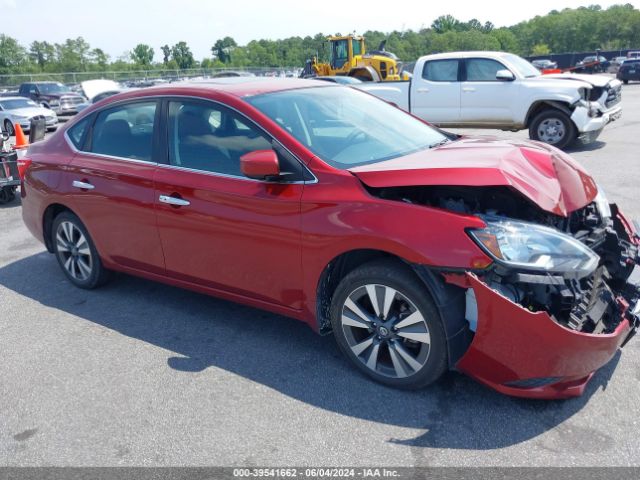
614,96
71,100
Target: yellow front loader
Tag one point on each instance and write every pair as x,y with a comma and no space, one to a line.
349,58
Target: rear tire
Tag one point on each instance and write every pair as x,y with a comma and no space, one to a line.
8,127
626,82
386,323
7,194
76,252
554,127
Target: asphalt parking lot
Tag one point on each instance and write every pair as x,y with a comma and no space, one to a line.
139,373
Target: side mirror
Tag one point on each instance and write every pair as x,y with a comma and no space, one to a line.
505,76
260,164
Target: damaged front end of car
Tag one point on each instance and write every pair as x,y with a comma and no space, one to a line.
555,305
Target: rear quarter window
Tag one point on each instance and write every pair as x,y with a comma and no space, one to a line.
77,132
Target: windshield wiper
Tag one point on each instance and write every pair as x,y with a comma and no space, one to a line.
441,142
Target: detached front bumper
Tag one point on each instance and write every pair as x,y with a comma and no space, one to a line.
529,354
590,121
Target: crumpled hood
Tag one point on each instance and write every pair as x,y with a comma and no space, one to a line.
545,175
595,80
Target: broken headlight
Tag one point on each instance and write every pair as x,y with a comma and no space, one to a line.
533,247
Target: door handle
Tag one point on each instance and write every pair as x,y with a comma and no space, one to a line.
175,201
422,90
468,89
82,185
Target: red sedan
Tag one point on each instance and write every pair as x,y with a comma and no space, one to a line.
420,250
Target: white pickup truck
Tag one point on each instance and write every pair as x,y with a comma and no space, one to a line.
503,91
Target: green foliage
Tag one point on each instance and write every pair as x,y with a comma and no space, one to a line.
541,49
580,29
222,49
142,55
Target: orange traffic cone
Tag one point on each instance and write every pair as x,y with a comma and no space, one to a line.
21,140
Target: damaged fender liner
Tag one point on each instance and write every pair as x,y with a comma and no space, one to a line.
513,346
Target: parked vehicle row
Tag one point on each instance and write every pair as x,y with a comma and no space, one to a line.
19,111
504,91
629,70
420,250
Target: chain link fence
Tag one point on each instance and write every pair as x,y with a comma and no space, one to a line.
11,82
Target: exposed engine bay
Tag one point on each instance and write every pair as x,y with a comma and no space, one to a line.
593,301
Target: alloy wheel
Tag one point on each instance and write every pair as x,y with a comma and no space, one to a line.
74,251
385,331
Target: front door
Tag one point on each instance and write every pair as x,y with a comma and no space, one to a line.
219,228
485,99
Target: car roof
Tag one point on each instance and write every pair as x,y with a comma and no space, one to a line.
243,86
469,54
14,98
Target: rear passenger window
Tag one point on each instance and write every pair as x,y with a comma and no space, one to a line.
125,131
441,71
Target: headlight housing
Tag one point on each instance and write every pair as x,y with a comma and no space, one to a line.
54,103
533,247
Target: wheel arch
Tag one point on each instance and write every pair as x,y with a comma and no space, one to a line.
541,105
449,299
49,215
366,73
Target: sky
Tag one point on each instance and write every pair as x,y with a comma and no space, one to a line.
117,26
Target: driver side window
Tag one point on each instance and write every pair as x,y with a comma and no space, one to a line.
209,137
483,69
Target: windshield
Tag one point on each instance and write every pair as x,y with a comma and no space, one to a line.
524,68
48,88
346,127
17,103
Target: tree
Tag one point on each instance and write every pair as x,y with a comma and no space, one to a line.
142,55
12,54
181,53
445,23
42,53
166,53
222,49
540,49
99,58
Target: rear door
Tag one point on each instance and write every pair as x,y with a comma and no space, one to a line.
435,95
109,183
485,99
219,228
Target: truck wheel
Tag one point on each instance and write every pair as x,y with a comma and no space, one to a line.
8,127
625,82
553,127
386,323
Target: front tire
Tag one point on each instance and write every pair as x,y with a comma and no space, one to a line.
76,252
386,323
553,127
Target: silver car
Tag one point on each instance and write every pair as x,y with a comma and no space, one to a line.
20,110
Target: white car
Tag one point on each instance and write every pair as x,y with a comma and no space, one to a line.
503,91
20,110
